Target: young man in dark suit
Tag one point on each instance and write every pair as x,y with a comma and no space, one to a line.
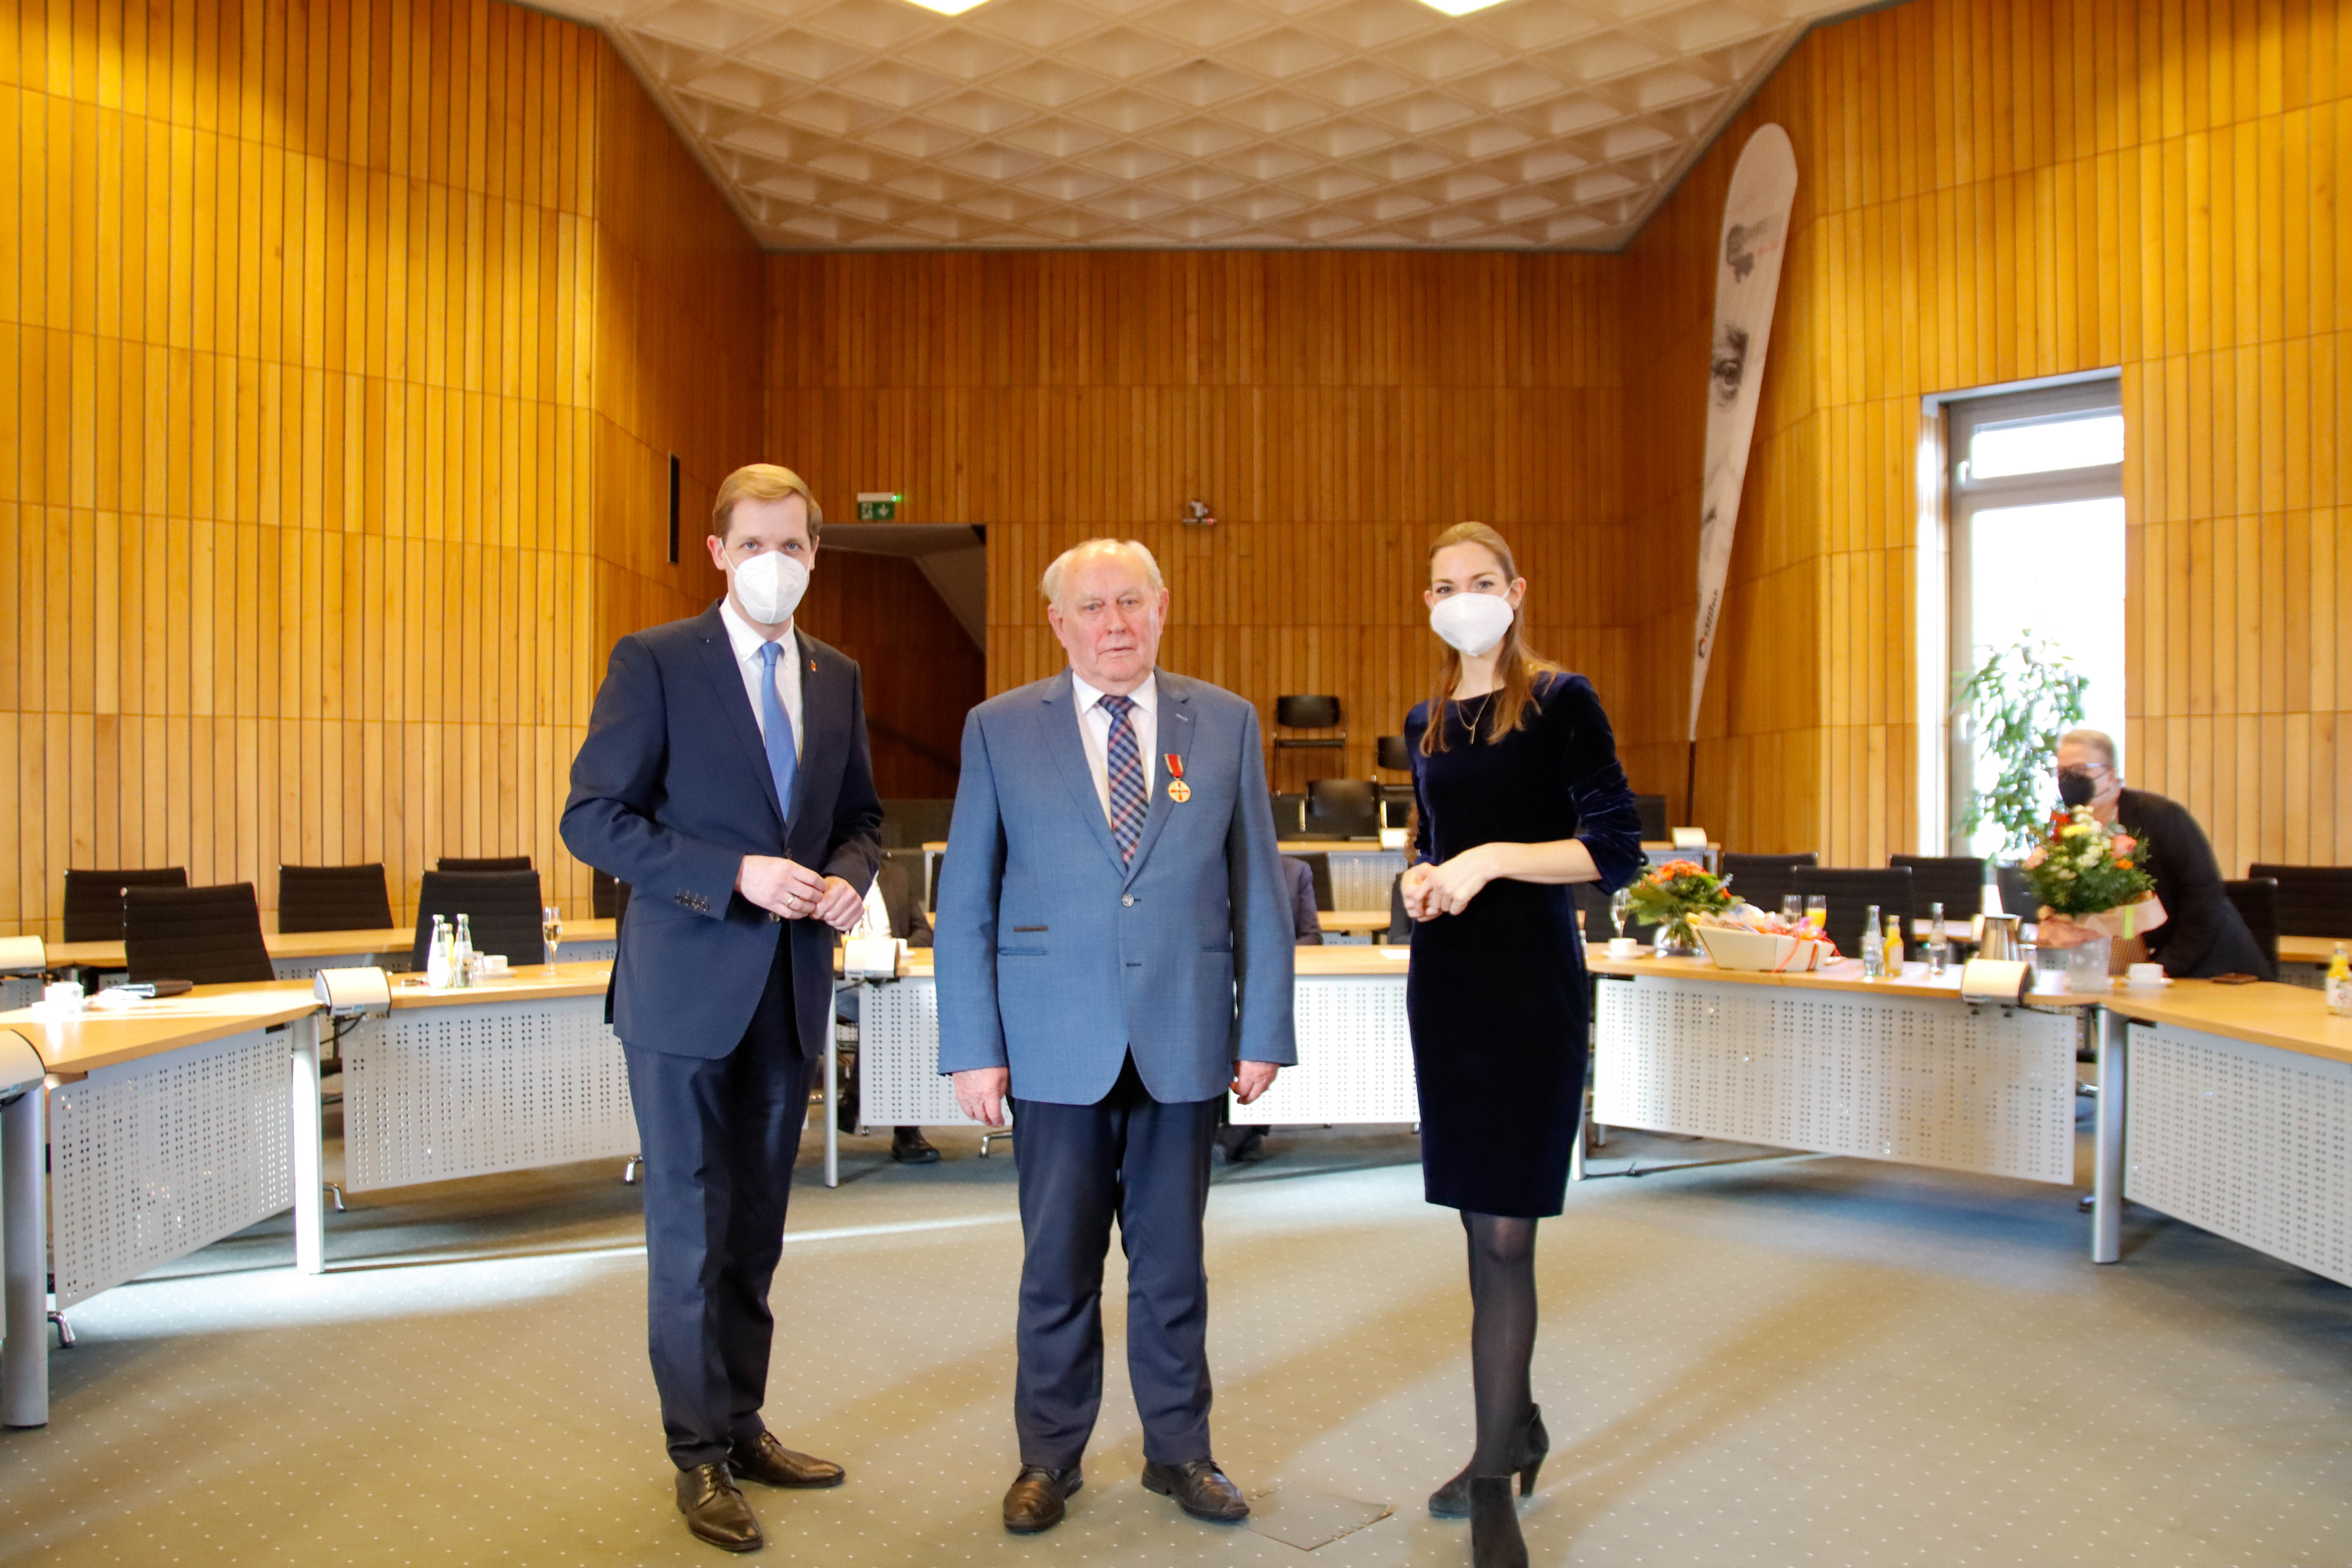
725,777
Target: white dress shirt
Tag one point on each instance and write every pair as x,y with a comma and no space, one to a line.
747,642
1094,729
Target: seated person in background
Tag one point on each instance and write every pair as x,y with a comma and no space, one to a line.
2202,935
907,1145
1307,928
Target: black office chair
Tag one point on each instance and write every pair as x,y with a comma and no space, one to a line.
93,909
2257,898
603,893
1763,879
1391,753
2016,892
332,897
210,936
2313,900
911,822
1289,814
910,861
1850,891
1318,866
1307,714
1653,810
1342,807
1396,804
1955,881
490,863
501,909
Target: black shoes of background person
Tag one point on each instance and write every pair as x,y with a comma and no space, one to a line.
715,1508
1452,1500
910,1147
1200,1489
1036,1499
1241,1145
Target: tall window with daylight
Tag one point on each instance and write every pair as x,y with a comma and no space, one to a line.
2037,559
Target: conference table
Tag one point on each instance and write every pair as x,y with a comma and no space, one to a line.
297,955
162,1128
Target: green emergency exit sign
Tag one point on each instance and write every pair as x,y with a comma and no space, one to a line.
877,506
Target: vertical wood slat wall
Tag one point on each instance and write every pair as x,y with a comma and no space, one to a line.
1993,190
1336,409
304,396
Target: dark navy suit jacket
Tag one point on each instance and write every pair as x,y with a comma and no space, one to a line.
671,790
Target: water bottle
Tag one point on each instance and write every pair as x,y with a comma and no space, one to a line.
1874,946
1939,946
461,961
437,956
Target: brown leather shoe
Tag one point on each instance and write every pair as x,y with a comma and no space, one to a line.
1200,1489
714,1510
770,1463
1034,1501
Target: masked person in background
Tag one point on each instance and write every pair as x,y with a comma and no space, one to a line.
2202,933
724,776
1516,774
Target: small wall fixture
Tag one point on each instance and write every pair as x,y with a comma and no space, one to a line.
1198,515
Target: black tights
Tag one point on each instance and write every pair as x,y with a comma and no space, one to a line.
1502,1335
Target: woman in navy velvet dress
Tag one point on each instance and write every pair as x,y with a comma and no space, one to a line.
1520,794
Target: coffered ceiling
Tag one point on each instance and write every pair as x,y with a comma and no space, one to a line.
882,123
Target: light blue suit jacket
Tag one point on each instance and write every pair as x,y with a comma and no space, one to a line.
1057,960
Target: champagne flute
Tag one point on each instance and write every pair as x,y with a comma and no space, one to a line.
1620,904
1793,907
1817,911
550,926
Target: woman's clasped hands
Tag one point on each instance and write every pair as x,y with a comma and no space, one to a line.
1431,889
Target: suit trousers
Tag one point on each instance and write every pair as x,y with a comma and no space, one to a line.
719,1137
1145,1164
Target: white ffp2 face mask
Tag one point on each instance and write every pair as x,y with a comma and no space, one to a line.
1473,623
769,587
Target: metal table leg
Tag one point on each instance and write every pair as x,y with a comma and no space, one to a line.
306,1128
2107,1179
833,1107
24,1261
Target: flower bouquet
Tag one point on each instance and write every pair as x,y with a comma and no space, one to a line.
2091,887
1670,895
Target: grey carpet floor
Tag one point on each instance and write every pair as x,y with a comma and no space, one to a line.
1796,1362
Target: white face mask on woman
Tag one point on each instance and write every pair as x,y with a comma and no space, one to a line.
769,587
1473,623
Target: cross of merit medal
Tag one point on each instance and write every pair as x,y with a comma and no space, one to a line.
1177,790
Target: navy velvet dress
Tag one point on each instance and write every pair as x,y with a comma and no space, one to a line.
1497,994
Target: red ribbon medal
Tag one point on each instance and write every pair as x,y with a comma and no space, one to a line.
1177,790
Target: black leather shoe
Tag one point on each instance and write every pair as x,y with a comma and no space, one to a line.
770,1463
910,1147
1452,1500
1034,1500
1200,1489
714,1510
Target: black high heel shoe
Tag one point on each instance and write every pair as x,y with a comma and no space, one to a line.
1452,1500
1494,1538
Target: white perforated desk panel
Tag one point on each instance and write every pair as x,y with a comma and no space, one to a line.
2249,1141
1919,1080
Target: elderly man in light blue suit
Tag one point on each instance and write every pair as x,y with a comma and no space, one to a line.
1114,948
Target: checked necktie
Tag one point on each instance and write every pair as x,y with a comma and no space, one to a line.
782,762
1126,797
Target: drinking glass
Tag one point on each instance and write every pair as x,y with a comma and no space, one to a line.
550,926
1620,904
1793,907
1817,911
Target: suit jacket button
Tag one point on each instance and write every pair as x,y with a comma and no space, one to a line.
1127,898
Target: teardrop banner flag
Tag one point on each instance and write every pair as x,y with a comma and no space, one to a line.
1747,280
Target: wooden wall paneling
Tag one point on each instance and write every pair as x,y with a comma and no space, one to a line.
1994,190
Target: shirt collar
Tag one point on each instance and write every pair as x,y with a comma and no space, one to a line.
1145,696
746,639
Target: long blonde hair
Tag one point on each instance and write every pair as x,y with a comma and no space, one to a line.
1514,661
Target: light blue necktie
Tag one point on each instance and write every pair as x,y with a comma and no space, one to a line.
778,725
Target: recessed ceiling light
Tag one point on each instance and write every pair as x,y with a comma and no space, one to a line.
1459,7
958,7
